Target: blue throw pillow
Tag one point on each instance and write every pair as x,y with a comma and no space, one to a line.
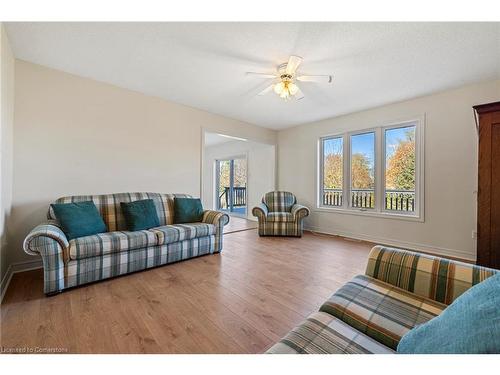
470,325
187,210
140,215
79,219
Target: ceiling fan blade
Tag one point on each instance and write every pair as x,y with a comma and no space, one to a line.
293,64
261,75
299,95
266,90
321,79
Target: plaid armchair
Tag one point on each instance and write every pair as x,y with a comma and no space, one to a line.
280,215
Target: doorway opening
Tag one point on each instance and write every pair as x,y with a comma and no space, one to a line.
231,185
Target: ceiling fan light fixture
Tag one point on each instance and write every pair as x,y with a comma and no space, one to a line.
292,88
279,87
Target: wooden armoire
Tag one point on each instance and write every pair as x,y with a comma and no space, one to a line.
488,203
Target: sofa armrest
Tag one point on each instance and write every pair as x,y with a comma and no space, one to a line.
45,239
298,211
260,211
219,219
440,279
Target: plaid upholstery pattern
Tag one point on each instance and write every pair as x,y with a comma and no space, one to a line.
380,310
180,232
218,219
110,242
92,269
279,201
49,241
91,258
110,209
322,333
279,215
436,278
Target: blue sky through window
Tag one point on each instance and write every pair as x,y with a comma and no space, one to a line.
364,144
332,146
392,139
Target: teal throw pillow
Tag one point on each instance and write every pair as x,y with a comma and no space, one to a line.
140,215
470,325
187,210
79,219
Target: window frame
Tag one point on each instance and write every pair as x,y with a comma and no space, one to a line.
380,168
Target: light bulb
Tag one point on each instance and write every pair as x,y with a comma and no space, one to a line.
292,87
284,94
279,87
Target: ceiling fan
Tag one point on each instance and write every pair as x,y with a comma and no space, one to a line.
286,76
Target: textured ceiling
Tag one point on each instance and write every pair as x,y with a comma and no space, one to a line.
203,65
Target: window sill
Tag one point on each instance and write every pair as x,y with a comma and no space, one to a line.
383,215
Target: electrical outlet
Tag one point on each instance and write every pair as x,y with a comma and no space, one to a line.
474,234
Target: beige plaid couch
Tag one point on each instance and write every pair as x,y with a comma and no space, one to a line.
369,314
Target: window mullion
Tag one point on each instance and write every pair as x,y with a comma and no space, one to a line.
379,181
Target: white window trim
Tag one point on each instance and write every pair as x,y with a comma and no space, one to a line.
379,162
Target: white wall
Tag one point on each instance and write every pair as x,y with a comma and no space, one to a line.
450,171
6,143
261,171
77,136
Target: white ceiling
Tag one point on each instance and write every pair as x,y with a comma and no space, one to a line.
212,139
203,65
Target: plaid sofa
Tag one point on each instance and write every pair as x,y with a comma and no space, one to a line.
280,215
399,290
117,252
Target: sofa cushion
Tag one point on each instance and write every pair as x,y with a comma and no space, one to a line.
180,232
110,210
187,210
140,214
322,333
110,242
380,310
470,325
78,219
280,216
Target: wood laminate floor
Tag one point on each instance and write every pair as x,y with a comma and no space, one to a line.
240,301
237,224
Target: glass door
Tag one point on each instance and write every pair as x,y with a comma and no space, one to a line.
231,185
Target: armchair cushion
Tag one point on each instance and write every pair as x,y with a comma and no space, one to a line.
79,219
280,216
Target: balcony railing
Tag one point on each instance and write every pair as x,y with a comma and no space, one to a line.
395,200
239,197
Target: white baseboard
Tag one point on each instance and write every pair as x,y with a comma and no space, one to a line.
459,254
16,268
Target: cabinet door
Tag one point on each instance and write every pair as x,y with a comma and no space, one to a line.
488,242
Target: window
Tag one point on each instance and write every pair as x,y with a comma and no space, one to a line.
374,172
333,171
363,170
399,193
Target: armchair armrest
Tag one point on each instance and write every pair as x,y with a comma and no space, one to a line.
260,211
440,279
219,219
45,239
299,211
